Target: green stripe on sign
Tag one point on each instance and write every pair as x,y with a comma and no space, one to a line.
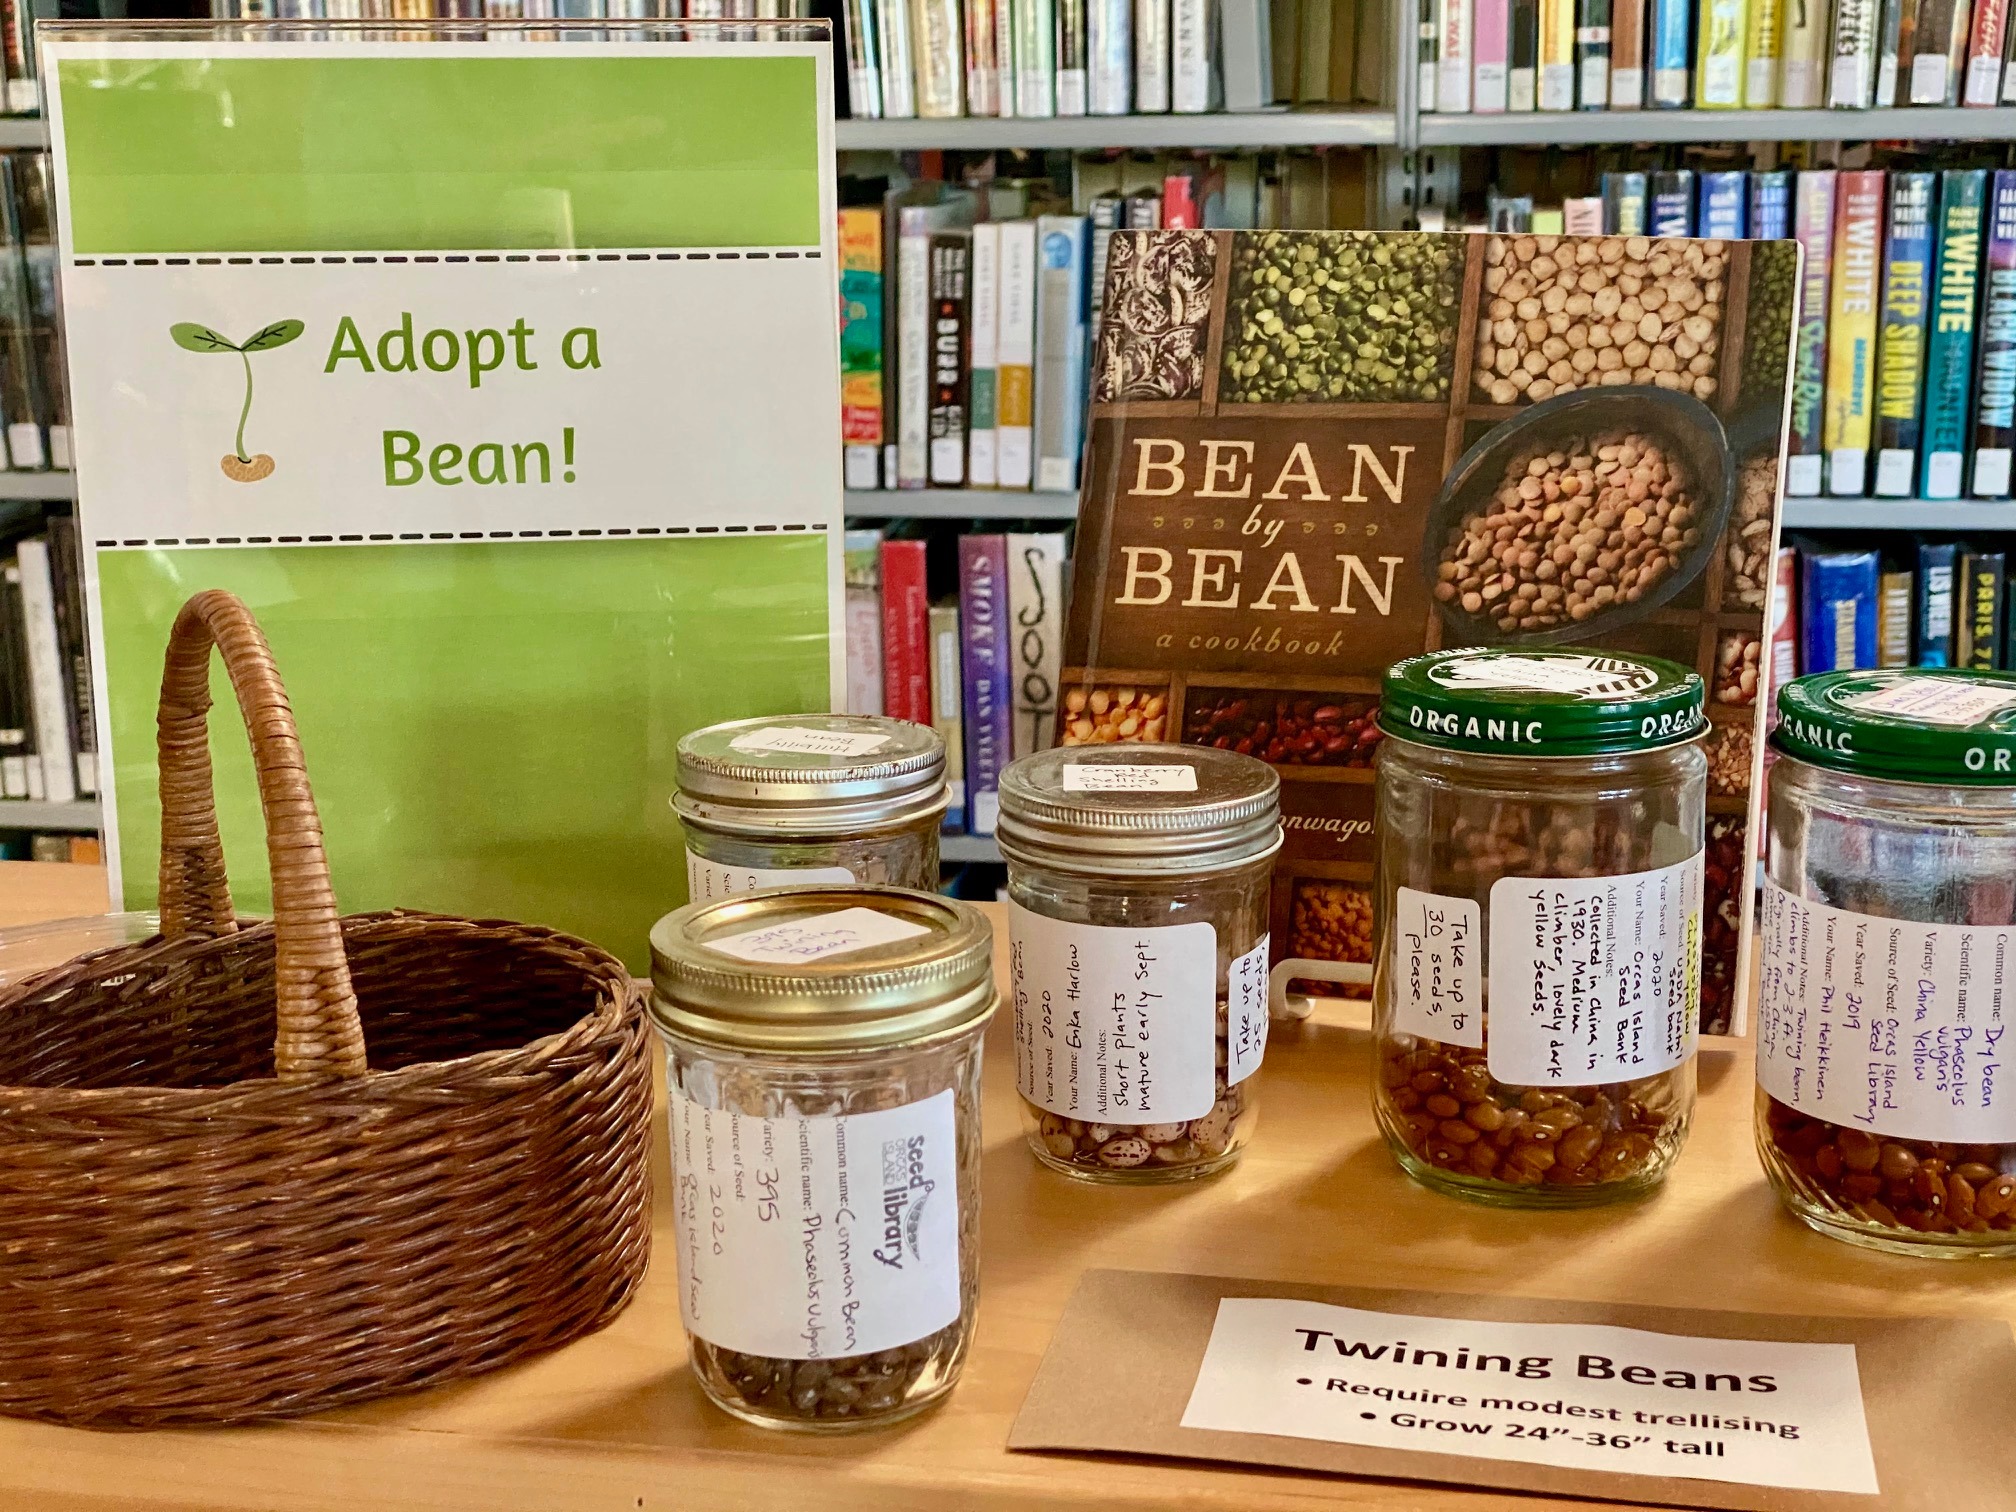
339,154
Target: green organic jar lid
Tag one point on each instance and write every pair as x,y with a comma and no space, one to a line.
1542,701
1907,724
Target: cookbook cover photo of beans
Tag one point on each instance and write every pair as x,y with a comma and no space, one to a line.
1312,454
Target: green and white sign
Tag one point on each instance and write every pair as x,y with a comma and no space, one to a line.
500,379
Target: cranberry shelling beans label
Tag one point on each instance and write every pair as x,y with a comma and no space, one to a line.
1438,979
710,879
816,1238
1594,979
1886,1025
1582,1395
1128,777
1114,1025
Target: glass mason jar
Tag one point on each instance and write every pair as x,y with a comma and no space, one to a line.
1536,977
811,798
1137,927
1889,894
822,1054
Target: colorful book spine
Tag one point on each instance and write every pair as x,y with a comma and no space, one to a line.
984,362
948,709
1894,22
1761,54
1851,80
1813,224
1802,77
1995,383
1522,74
1061,349
1592,54
1939,51
1949,351
2009,66
1722,204
1672,54
1624,207
1493,42
1036,637
861,396
1851,330
1782,629
1671,208
1900,345
1719,69
1837,611
1557,54
1015,399
1980,590
1770,217
983,73
1627,55
1938,562
1152,57
1985,48
906,633
984,669
1893,619
1455,57
861,577
951,258
864,62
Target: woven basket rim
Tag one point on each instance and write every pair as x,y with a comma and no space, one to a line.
608,1017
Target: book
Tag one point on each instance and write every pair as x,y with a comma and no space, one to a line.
1851,77
1939,51
1837,611
48,680
899,73
906,632
17,715
1035,57
1192,83
1995,375
1016,350
2008,72
29,218
1851,329
1627,55
1624,204
1670,206
1893,619
1986,45
1492,39
985,672
1761,49
1719,68
1770,217
1813,224
1592,54
1452,89
1006,77
1522,73
864,63
1672,54
983,71
1802,73
1980,587
1933,641
1582,215
1783,630
861,398
1900,342
1061,348
1723,204
861,572
1246,53
936,36
1949,348
983,358
951,255
66,570
1152,59
1557,54
1895,21
948,705
1035,636
1427,62
1072,86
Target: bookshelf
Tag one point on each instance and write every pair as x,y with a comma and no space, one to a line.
1597,127
23,131
38,485
1256,129
959,504
1900,514
80,817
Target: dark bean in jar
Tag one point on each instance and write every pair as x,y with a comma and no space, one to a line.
1926,1186
1286,729
864,1386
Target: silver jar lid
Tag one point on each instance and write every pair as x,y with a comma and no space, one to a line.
820,969
1146,810
811,775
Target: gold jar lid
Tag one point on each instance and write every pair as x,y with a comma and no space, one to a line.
817,969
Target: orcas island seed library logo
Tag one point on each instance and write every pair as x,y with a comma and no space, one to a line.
905,1190
238,465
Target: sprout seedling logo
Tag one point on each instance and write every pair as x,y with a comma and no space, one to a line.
237,465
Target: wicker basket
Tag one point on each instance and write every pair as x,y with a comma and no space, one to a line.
206,1221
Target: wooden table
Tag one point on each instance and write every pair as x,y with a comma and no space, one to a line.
614,1424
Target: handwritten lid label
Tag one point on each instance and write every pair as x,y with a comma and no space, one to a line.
800,741
1128,777
1944,725
814,939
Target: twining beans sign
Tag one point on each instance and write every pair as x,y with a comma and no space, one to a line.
500,378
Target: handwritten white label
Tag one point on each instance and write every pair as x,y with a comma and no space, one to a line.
1583,1395
1246,1014
1114,1025
792,740
1118,777
1438,967
815,938
1885,1024
1594,979
1952,701
710,879
816,1238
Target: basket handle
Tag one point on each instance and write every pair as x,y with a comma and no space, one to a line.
319,1035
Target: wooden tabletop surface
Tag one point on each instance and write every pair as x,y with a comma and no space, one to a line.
615,1423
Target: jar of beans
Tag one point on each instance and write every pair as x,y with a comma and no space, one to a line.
1888,945
1537,968
811,798
1137,926
823,1078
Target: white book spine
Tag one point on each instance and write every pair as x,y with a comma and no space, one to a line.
1151,56
45,672
1035,57
984,316
936,36
1004,56
1035,640
864,61
1190,85
1016,352
899,77
1109,29
1065,247
1452,88
913,360
1246,53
